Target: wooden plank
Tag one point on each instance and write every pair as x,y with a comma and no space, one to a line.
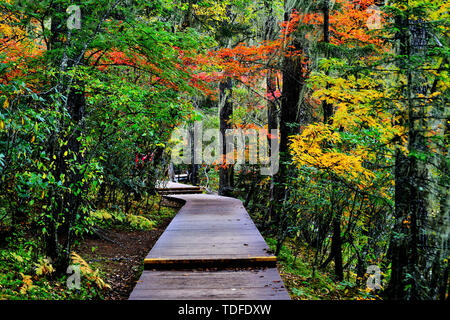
209,294
207,233
198,252
262,284
207,248
250,276
206,237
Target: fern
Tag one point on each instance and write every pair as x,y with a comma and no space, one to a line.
27,284
140,222
135,221
87,271
44,267
101,215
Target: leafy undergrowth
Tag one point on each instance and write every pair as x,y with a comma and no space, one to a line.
25,274
138,217
110,259
297,275
119,253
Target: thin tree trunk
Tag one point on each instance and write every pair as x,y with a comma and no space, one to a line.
226,171
63,208
337,248
327,107
272,109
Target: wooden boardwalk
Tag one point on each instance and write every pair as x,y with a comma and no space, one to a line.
210,250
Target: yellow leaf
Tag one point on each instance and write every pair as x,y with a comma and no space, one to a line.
27,284
17,257
2,125
44,267
6,104
32,139
88,272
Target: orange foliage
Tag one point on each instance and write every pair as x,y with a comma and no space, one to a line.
16,48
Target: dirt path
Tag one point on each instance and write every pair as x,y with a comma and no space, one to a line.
120,260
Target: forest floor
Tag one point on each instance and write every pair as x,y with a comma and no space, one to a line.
119,256
118,252
114,253
306,283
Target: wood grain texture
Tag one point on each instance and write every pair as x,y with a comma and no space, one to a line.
260,284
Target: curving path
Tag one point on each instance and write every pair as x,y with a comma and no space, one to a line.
210,250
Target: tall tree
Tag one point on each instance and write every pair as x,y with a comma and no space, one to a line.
226,171
293,112
420,240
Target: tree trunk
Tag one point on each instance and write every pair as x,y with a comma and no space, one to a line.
63,208
336,246
293,115
272,110
420,240
226,171
327,107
